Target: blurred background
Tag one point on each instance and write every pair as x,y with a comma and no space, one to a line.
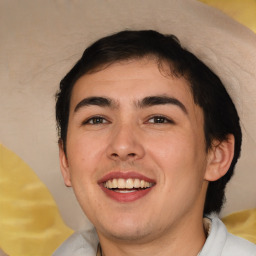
40,41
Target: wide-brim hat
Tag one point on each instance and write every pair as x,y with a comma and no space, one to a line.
41,41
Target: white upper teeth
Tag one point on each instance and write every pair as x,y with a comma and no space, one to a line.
127,183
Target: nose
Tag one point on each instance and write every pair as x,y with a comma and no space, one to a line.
125,144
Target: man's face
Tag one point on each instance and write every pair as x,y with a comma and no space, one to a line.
136,155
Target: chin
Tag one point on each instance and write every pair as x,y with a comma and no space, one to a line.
126,232
135,235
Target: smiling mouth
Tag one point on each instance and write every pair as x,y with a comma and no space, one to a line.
130,185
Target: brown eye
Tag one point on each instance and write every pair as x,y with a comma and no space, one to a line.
96,120
159,120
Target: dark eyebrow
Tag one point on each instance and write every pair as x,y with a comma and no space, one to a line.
161,100
95,101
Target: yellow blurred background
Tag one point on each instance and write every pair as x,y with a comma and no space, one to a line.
244,11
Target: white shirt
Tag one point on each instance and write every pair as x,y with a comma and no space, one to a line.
218,243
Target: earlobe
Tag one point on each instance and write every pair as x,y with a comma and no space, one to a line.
219,158
64,164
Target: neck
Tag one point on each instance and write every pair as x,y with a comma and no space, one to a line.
186,238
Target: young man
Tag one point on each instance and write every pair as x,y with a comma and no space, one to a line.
149,137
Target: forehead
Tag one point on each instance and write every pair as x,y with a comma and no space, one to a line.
133,79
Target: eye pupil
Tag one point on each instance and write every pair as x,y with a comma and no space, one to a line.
159,120
97,120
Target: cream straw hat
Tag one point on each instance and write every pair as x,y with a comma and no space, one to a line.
41,40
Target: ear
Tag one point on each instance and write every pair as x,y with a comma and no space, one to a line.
64,167
220,157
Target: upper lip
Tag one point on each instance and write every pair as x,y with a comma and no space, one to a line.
124,175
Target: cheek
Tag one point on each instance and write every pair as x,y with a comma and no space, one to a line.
174,149
84,155
180,157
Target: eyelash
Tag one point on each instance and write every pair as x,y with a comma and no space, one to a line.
157,118
90,121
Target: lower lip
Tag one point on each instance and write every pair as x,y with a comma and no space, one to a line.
126,197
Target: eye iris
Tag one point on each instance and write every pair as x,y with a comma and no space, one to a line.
159,120
97,120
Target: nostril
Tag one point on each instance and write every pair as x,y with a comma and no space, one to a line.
126,156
